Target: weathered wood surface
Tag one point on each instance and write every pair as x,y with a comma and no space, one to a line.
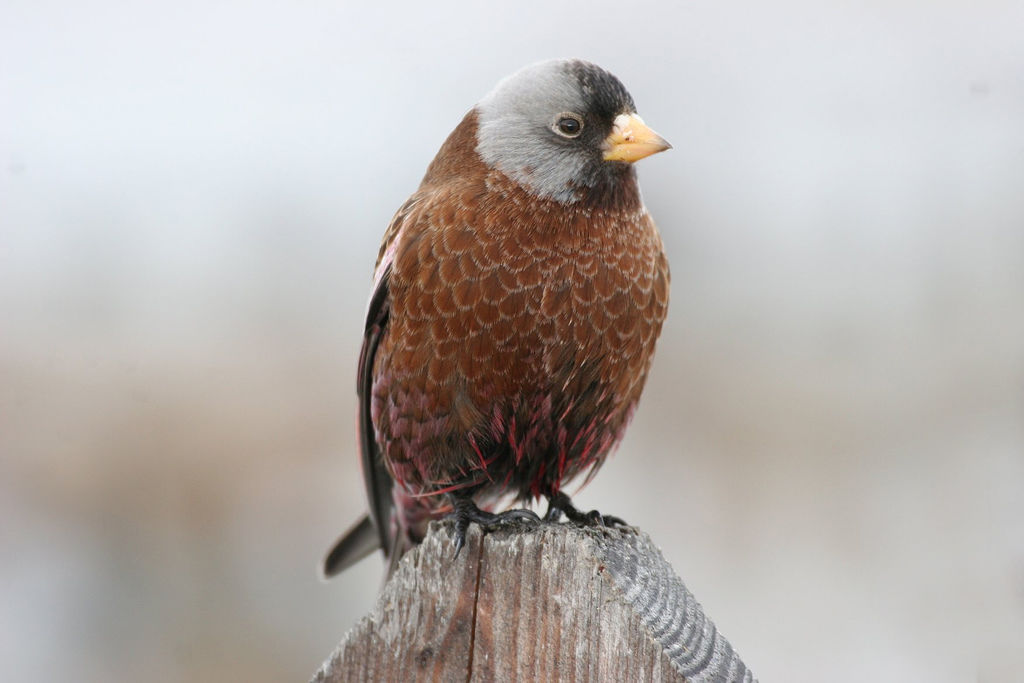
553,603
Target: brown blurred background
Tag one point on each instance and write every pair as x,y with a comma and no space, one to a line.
831,447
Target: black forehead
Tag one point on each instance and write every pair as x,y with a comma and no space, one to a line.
604,93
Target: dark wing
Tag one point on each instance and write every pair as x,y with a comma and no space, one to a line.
375,475
373,531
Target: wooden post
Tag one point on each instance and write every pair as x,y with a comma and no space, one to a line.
551,603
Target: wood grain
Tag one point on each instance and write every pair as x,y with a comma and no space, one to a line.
552,603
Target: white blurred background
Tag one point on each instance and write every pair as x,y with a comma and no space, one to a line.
831,447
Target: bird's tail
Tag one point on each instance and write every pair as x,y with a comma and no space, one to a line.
360,540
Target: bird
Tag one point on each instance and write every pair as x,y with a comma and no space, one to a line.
517,298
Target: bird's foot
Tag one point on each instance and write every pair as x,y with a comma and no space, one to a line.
560,504
466,512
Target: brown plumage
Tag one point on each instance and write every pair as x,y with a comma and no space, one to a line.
515,312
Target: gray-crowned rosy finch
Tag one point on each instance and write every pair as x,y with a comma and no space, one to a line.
517,299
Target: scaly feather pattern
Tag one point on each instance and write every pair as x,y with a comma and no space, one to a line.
518,296
520,336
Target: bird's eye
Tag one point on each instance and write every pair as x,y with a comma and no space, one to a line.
568,125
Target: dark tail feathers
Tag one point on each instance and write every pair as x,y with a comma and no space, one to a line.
359,541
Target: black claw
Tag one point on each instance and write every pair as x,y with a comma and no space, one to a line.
553,515
521,515
613,521
461,527
560,504
466,512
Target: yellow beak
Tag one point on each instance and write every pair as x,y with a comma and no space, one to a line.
631,140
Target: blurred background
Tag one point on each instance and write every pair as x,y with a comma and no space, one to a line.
831,447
